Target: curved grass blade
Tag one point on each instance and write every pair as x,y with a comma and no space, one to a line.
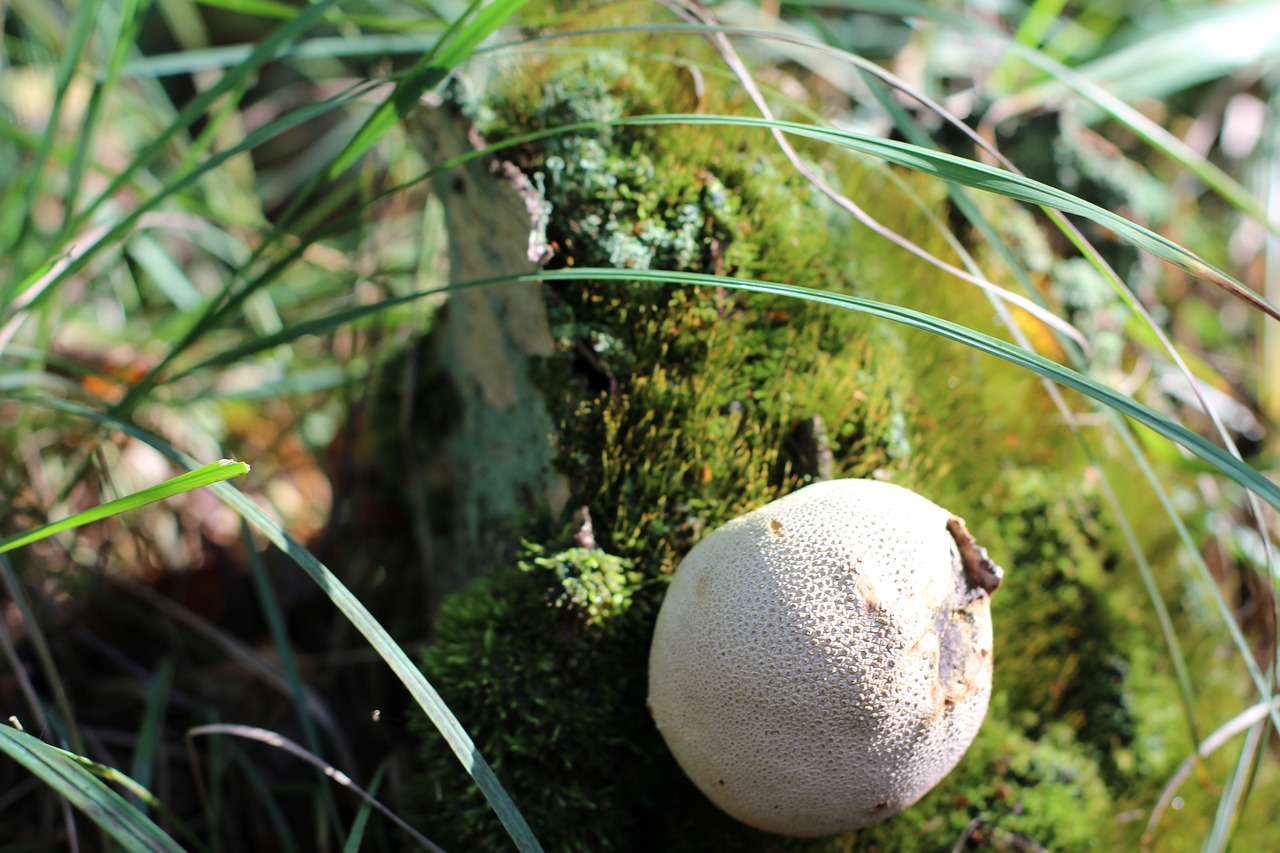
1197,444
207,475
947,167
1159,139
964,203
1222,461
971,173
390,651
1211,453
67,774
1063,76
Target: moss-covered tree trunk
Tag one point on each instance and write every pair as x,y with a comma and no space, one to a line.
570,442
482,432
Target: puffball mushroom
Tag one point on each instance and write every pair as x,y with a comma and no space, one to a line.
822,662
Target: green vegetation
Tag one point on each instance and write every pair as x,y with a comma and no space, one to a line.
693,406
218,239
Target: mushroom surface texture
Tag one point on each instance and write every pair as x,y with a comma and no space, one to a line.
822,662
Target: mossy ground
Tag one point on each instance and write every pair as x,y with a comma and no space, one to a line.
678,408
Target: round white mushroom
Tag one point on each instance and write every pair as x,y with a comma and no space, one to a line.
822,662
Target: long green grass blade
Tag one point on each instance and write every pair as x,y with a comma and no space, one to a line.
1221,461
1062,375
1065,79
67,775
971,173
947,167
421,690
151,733
964,203
207,475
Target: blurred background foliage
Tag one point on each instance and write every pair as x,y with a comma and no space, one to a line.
213,241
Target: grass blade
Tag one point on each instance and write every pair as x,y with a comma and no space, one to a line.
1220,459
356,835
151,733
207,475
452,48
72,54
1197,444
1064,78
421,690
66,774
970,173
288,664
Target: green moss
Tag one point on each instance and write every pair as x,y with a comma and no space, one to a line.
1007,791
594,585
513,653
1063,653
678,401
